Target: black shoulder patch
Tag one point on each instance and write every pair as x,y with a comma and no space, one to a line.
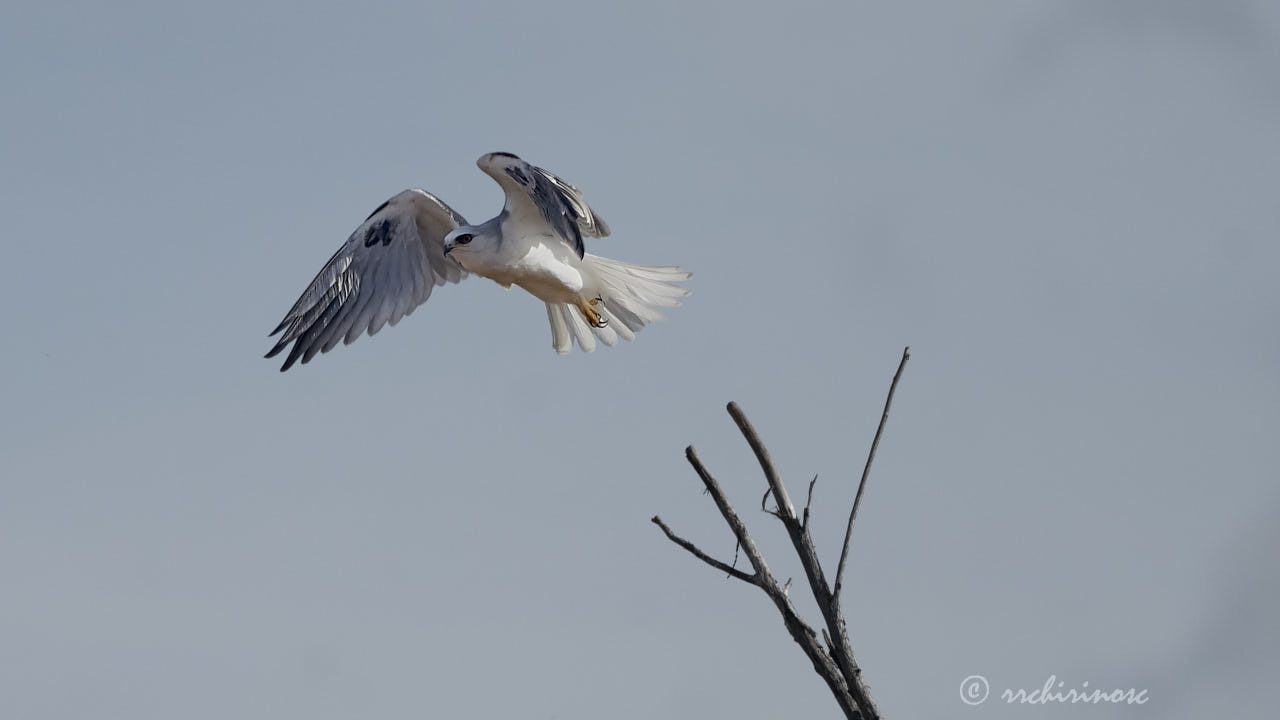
380,232
518,175
505,154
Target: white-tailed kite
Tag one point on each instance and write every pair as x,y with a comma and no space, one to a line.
414,242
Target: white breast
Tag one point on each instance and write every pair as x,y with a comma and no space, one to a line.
544,266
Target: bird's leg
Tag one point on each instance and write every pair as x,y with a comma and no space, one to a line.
588,310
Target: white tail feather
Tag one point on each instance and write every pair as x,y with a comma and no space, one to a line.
630,297
560,339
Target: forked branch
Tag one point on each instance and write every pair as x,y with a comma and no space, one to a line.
834,661
693,549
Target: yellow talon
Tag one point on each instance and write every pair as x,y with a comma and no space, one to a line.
588,309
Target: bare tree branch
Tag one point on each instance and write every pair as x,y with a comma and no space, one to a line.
866,471
693,550
835,662
804,635
730,516
804,522
801,540
785,508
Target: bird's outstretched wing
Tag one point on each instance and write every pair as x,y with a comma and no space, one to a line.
386,268
533,194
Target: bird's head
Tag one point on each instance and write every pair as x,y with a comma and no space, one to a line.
469,241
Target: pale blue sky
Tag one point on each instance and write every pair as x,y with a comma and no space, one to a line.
1067,209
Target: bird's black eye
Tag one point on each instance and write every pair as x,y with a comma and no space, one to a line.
463,239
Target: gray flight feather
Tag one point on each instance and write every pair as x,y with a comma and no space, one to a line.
386,268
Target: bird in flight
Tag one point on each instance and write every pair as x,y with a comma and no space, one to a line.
414,242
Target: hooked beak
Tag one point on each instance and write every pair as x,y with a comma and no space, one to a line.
449,248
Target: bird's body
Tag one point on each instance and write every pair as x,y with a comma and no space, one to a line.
414,242
540,263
